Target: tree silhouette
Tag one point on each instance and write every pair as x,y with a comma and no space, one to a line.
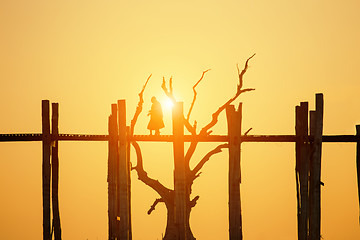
167,195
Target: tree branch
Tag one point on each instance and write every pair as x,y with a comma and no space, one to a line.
138,108
214,120
190,152
170,95
241,74
167,92
189,127
194,201
163,191
206,158
195,93
152,208
246,133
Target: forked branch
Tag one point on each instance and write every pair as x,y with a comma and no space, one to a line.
215,115
168,93
138,108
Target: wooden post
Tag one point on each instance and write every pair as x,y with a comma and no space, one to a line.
128,145
302,169
234,132
179,171
358,162
55,171
123,177
316,130
46,168
112,173
313,168
297,170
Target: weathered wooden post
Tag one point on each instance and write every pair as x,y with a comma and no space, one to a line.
179,171
46,168
234,131
55,170
316,130
302,168
358,162
128,145
112,173
297,169
123,177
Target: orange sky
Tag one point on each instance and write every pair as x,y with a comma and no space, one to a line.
88,54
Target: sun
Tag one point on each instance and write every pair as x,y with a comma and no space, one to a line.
167,104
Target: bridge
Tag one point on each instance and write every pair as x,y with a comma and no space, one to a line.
30,137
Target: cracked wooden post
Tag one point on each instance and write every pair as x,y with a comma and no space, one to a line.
123,176
179,171
316,130
55,170
234,131
112,173
302,169
358,162
46,168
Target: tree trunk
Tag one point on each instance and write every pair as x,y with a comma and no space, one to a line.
171,232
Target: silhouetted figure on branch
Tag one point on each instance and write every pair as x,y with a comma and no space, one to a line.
156,117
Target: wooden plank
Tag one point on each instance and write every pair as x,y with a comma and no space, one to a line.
358,163
315,169
179,170
55,171
123,177
112,173
46,168
234,132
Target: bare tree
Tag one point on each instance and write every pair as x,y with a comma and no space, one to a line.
167,195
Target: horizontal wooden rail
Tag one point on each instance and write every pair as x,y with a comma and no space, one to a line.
340,138
21,137
82,137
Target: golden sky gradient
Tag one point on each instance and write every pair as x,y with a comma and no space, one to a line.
88,54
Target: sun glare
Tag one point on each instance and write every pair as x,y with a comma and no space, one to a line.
167,104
